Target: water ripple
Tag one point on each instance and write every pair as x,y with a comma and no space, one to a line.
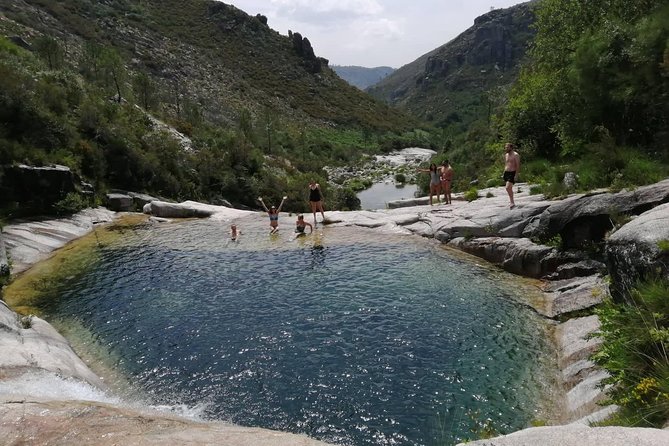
347,336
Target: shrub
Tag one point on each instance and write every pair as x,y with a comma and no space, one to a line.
472,194
400,178
635,352
71,204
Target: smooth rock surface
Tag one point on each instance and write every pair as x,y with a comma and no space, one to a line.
28,242
67,423
579,435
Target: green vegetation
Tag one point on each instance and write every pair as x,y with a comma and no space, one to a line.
635,353
663,245
472,194
260,125
594,98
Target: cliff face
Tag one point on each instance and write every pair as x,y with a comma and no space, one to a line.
447,84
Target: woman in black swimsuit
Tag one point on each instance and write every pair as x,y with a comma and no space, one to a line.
316,199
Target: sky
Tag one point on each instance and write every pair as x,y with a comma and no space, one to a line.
372,33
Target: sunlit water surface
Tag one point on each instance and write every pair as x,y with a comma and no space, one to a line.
346,335
378,196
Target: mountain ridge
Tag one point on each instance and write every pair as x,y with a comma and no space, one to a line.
362,77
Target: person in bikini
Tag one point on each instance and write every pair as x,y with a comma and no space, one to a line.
511,170
301,225
435,182
446,177
273,214
316,199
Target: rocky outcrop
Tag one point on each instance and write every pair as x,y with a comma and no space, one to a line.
516,255
640,249
38,186
586,218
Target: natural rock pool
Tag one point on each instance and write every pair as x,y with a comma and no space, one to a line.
351,336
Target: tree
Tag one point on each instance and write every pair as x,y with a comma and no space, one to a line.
51,51
114,72
145,90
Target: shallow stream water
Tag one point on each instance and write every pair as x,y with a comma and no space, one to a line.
347,335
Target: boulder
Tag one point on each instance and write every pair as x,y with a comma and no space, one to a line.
586,218
120,203
639,249
141,199
39,186
516,255
177,210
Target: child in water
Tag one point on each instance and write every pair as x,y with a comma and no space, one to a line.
273,214
300,226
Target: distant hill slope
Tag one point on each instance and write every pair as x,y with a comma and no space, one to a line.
456,82
362,77
212,54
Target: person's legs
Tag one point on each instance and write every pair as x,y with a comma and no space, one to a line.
314,207
509,190
320,207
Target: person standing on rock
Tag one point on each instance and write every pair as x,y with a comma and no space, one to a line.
511,170
233,232
446,177
316,199
273,214
435,181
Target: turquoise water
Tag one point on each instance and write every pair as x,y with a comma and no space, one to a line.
349,336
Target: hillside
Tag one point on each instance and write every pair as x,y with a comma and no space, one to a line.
460,81
220,58
362,77
183,99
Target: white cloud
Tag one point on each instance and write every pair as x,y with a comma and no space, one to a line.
372,32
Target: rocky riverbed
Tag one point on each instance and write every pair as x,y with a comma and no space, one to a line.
572,282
